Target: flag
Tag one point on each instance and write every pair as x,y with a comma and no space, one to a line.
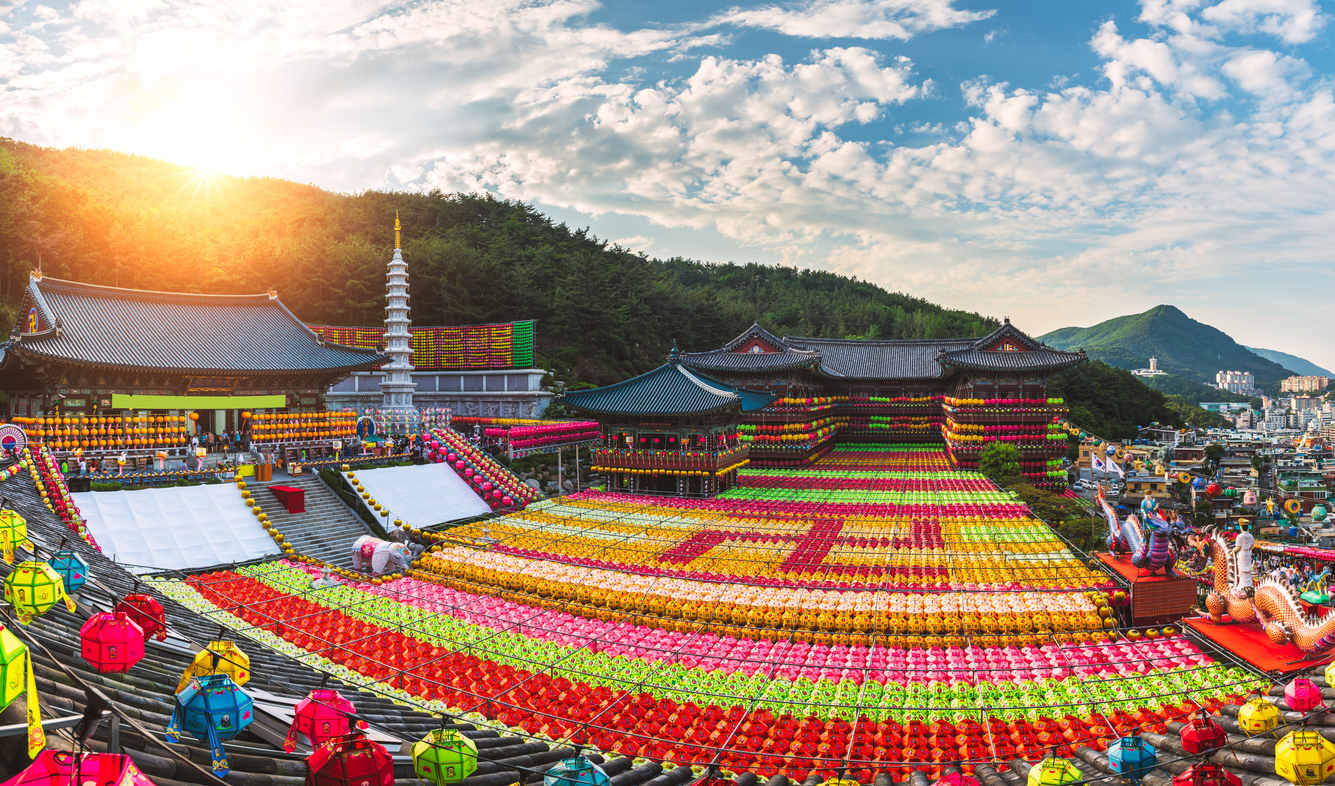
1097,463
1115,468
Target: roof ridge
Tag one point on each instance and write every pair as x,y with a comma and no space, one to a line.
127,293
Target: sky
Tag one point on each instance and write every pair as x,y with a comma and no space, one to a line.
1060,163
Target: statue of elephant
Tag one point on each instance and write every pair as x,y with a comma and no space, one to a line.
379,556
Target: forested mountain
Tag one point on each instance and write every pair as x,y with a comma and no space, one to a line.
1182,345
605,313
1293,363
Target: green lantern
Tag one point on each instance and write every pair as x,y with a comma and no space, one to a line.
33,588
13,533
444,756
1054,771
15,678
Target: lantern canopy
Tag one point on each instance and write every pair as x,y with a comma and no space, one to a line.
350,760
111,642
322,715
33,588
213,709
72,568
1203,736
444,756
1131,757
1206,774
1258,716
1054,771
1303,695
220,657
147,613
13,533
61,768
1304,757
575,771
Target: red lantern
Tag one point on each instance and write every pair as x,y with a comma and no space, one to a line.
1203,736
1206,774
348,760
321,716
111,642
147,614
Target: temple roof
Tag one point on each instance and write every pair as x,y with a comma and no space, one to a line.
167,331
670,389
1004,349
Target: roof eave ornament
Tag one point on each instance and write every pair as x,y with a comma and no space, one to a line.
674,357
35,274
273,293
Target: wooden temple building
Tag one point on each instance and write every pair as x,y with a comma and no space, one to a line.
81,351
672,430
965,391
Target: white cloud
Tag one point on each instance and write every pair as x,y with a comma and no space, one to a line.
1291,21
869,19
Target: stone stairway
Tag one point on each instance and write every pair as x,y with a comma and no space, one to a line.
325,531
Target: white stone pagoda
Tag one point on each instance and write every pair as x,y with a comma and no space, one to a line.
397,385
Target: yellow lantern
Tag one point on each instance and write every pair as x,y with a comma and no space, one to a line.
1305,758
1258,716
1054,772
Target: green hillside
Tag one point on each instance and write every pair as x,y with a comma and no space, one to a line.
1293,363
1182,345
605,313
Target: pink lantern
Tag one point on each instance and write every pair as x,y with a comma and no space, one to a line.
1302,695
957,779
112,642
58,768
322,715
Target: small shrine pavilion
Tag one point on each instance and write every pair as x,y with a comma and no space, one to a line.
670,431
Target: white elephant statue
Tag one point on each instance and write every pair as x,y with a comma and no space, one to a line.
380,556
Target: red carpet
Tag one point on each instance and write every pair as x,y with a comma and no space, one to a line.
1248,642
1122,565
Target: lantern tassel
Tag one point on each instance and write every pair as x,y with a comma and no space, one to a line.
220,765
36,734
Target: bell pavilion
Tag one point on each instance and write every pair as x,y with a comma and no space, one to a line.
672,430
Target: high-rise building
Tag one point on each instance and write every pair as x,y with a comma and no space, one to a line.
1311,384
1243,382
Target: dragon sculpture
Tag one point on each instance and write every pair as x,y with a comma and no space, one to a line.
1157,552
1273,604
1124,537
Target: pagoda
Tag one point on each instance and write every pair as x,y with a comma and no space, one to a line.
396,384
670,431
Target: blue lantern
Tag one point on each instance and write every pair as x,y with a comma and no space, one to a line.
576,771
72,568
1132,758
213,709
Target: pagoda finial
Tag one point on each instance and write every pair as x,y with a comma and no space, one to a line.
674,356
397,229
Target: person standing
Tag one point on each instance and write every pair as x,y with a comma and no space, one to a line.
1242,551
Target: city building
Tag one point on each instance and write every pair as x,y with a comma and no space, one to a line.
1152,371
1298,384
1224,408
1242,382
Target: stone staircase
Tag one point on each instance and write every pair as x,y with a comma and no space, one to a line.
325,531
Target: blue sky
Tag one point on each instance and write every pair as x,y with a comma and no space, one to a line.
1056,162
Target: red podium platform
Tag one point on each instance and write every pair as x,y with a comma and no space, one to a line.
1155,600
294,499
1248,642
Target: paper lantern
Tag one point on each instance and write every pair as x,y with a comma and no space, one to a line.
61,768
956,779
576,771
72,568
1305,758
220,657
444,756
1131,757
1302,695
321,716
1206,774
1054,771
16,677
33,588
1258,716
1203,736
13,532
213,709
111,642
350,760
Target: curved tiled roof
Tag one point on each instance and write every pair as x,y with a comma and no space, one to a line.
670,389
725,360
865,359
167,331
1036,355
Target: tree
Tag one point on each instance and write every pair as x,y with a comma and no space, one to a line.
1000,461
1213,453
